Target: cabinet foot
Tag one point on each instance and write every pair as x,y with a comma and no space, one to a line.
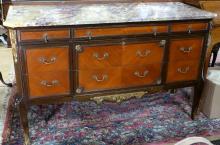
23,110
197,99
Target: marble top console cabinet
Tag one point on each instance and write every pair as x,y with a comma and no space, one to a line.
106,52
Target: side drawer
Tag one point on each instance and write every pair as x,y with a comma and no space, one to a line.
47,59
189,27
44,35
48,84
116,31
99,79
186,49
182,71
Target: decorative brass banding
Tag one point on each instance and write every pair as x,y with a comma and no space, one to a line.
105,56
138,74
43,60
183,70
103,78
186,49
49,84
144,54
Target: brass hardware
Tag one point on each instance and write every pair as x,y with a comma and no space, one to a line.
140,54
45,61
158,82
141,76
155,31
163,43
47,84
185,49
89,35
45,37
190,29
78,48
79,90
105,56
104,78
123,42
183,70
118,98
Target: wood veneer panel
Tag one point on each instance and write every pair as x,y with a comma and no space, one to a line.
100,79
47,59
141,75
95,32
189,71
185,27
40,35
57,83
185,49
142,53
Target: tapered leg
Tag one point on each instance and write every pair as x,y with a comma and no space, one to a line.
197,99
23,110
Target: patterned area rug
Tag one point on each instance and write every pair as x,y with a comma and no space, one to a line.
155,119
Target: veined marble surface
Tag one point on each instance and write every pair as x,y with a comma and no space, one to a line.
81,14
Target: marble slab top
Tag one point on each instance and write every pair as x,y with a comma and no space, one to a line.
83,14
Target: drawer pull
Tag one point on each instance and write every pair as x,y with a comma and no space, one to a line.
186,50
96,78
141,76
105,56
47,84
154,31
183,70
89,35
45,61
45,37
144,54
190,29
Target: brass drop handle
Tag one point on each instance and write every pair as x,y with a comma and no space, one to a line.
89,35
154,29
96,78
49,84
138,74
105,56
43,60
143,54
183,70
190,29
45,37
186,49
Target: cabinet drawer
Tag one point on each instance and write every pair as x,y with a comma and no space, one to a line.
48,83
182,71
186,49
45,35
100,79
141,75
142,54
99,56
189,27
47,59
114,31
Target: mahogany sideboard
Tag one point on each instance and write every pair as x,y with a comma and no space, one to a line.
106,52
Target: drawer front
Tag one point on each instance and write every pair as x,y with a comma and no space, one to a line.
98,32
47,59
99,56
141,75
142,54
189,27
182,71
187,49
100,79
48,83
45,35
